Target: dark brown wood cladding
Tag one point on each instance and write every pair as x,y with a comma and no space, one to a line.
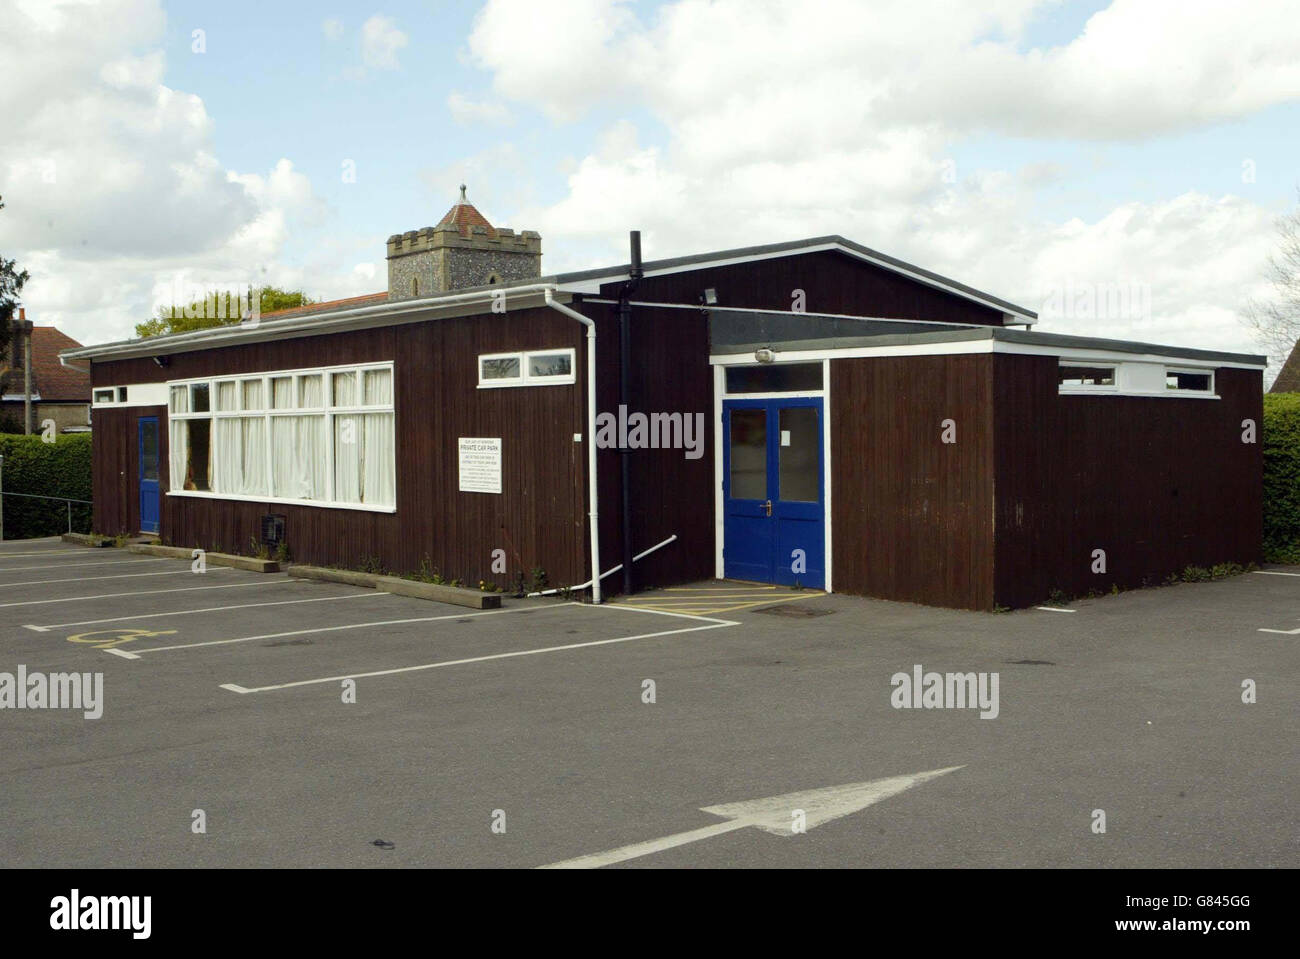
832,282
912,515
670,494
115,475
1157,483
538,519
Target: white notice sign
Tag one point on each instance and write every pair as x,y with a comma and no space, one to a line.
480,465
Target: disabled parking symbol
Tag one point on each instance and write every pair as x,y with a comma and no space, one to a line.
108,638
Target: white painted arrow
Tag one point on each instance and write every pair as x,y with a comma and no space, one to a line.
774,815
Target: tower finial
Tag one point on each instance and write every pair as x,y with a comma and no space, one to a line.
462,194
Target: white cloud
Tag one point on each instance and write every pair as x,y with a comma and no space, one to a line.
380,41
784,120
466,111
111,183
332,28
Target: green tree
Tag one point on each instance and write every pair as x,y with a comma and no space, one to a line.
219,309
11,284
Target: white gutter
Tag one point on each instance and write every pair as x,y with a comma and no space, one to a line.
314,323
592,494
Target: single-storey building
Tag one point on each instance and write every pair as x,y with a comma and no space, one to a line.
812,412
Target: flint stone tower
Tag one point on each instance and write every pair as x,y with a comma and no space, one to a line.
463,250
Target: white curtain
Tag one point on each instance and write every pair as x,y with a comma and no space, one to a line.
282,393
345,389
226,397
298,456
179,444
177,450
349,437
378,390
378,480
239,448
252,394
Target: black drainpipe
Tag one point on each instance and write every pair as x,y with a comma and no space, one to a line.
624,379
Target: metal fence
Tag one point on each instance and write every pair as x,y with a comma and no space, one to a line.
61,499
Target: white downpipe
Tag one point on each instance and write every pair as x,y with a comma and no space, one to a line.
593,516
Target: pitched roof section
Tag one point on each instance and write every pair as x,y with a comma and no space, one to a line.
698,261
51,380
463,216
1288,378
327,306
584,282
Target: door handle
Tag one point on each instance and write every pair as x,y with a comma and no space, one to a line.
767,507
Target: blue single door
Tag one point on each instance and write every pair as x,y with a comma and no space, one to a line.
773,490
149,494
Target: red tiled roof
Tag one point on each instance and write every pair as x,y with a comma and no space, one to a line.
463,216
351,301
1288,378
51,380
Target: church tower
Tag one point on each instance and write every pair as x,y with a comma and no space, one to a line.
463,250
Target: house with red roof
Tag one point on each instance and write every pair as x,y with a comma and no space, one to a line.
58,392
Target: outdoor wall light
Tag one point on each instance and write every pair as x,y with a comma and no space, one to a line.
764,356
710,297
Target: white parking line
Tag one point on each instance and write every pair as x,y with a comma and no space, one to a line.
1055,609
141,592
328,629
1280,632
116,562
95,579
1272,572
45,552
235,688
210,609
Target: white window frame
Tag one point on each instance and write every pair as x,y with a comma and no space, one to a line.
136,394
1138,378
1067,388
525,378
326,409
1208,391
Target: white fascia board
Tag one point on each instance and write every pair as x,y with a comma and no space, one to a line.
1072,354
360,318
593,284
137,394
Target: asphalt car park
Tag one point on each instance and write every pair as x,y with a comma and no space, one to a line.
316,724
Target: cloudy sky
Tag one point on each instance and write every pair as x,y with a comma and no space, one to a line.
1042,150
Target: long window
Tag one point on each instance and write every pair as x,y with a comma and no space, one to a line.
323,437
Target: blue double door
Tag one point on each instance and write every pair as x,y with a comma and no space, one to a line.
774,491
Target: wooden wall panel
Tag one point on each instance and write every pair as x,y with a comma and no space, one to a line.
1157,483
832,283
670,494
538,519
912,516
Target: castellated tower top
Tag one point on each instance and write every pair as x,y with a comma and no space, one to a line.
463,250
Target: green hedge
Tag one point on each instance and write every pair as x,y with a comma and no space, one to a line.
61,468
1282,477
